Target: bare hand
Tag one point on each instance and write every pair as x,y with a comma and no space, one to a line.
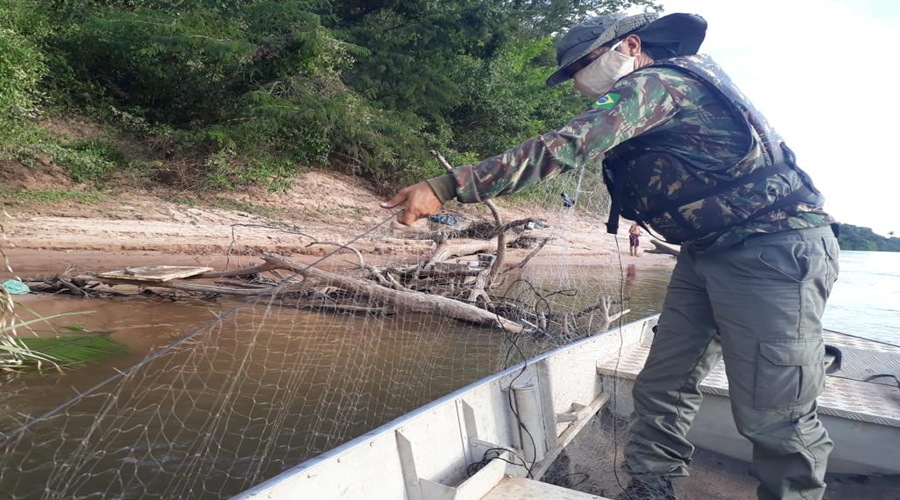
417,201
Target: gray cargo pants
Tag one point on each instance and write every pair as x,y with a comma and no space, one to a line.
758,305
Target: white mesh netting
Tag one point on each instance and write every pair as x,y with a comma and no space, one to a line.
260,385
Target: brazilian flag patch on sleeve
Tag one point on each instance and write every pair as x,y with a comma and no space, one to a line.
607,102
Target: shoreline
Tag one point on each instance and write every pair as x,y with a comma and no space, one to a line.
139,228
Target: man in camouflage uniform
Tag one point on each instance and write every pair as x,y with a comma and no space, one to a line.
687,154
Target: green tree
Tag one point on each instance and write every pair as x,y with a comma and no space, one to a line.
248,90
174,68
507,100
22,63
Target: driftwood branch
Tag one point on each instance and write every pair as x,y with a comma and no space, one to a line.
407,300
240,284
482,230
359,257
478,290
662,248
72,287
531,255
604,305
448,251
497,264
190,287
501,235
613,317
397,299
261,268
373,271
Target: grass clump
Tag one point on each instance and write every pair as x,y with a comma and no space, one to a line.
19,353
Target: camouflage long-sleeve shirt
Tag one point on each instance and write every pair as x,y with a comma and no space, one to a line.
656,107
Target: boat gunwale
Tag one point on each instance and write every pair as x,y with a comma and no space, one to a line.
342,449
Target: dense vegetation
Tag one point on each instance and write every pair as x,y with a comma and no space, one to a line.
863,238
227,92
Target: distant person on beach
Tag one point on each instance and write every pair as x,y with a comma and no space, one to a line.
686,153
634,239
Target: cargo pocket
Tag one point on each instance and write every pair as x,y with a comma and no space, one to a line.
789,372
791,260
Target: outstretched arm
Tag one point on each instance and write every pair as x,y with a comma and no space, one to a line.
417,201
636,104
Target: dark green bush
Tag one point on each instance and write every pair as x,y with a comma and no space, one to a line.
230,92
21,68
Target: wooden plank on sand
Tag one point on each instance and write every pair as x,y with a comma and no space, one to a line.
155,273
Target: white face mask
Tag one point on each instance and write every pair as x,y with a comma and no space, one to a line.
595,79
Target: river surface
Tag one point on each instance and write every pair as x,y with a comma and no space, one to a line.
866,297
228,397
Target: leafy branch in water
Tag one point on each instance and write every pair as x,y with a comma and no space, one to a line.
19,353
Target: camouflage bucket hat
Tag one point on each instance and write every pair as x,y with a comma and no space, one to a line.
676,34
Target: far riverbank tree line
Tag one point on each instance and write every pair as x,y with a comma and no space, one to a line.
864,239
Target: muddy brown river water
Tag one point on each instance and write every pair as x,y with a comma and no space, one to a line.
216,396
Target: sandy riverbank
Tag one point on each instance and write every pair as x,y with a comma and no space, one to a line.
139,228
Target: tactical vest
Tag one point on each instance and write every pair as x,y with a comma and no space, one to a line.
701,203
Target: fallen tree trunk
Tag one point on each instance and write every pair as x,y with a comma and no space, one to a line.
448,251
407,300
197,288
396,299
480,230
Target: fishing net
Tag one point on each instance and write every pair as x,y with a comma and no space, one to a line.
260,386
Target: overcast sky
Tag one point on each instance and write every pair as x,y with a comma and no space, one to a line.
826,73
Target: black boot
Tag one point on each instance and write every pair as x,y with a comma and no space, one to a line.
655,489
